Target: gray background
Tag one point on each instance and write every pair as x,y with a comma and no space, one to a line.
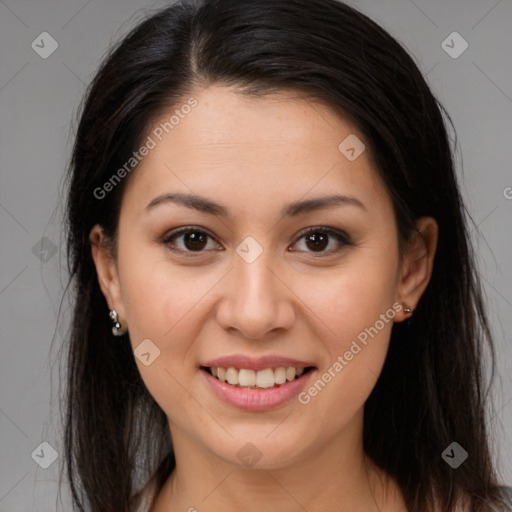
38,101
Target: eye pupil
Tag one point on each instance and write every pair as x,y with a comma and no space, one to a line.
191,240
318,239
196,240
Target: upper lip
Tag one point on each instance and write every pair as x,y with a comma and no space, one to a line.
256,363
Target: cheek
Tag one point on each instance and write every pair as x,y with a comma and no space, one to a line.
355,356
157,293
168,305
162,304
352,297
355,307
359,318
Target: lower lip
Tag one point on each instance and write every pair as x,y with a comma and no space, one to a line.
257,399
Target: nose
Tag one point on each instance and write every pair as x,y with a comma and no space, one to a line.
257,299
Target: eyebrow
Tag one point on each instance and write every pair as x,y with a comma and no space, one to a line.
205,205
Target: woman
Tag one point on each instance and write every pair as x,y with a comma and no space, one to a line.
276,302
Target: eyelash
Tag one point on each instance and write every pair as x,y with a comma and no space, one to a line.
339,236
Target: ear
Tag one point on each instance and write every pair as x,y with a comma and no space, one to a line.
417,264
106,269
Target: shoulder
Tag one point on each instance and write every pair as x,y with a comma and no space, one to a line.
143,500
507,494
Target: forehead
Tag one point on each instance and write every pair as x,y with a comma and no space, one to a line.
230,120
270,146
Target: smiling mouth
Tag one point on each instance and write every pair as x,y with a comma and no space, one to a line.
257,379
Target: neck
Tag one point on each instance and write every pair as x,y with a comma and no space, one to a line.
332,475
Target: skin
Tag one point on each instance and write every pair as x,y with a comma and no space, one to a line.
254,157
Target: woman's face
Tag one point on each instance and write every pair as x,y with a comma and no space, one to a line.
247,288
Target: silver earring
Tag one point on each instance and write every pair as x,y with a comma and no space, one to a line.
117,330
408,310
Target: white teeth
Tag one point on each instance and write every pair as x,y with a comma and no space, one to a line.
264,379
290,373
247,378
232,376
221,374
280,375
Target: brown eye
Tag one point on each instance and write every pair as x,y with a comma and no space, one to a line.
193,240
317,239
